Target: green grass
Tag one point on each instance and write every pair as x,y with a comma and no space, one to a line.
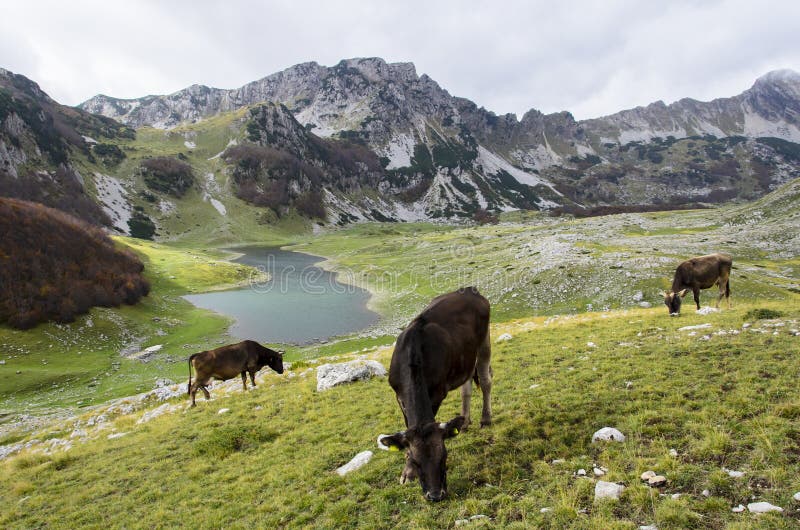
729,402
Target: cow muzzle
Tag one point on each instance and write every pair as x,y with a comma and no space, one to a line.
435,496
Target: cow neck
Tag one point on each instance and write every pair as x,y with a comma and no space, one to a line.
419,409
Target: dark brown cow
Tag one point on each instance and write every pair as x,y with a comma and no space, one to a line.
445,347
699,273
229,361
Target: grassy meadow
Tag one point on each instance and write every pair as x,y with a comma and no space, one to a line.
724,397
592,346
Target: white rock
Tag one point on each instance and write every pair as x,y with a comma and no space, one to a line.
647,475
673,452
591,344
648,527
223,411
358,461
535,385
706,493
581,472
608,434
734,474
598,472
330,375
504,337
763,507
698,326
607,490
796,496
558,461
738,509
707,310
645,304
545,510
156,412
116,435
462,522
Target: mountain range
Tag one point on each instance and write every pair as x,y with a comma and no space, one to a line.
370,140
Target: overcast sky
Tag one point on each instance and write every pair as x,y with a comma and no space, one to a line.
590,58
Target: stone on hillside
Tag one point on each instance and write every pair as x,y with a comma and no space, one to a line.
116,435
645,304
763,507
673,452
330,375
707,310
608,434
738,509
599,471
647,475
648,527
796,496
504,337
358,461
607,490
733,474
462,522
657,481
223,411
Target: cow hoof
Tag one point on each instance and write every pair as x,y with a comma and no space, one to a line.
486,423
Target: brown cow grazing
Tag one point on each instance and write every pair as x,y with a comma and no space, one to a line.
229,361
699,273
445,347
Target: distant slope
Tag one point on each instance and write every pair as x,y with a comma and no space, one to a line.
54,266
39,141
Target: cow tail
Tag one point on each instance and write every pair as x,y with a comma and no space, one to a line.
728,288
189,386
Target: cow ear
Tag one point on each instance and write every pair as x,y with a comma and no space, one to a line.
393,442
663,293
452,427
683,293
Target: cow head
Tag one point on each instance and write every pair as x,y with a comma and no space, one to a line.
273,359
673,301
426,455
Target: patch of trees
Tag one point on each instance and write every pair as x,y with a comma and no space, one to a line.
167,175
790,151
140,225
109,154
54,266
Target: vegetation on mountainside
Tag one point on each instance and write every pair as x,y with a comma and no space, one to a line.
287,166
693,405
167,175
55,267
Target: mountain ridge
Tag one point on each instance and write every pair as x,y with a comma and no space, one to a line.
439,156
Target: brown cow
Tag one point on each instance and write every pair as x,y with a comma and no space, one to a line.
699,273
445,347
229,361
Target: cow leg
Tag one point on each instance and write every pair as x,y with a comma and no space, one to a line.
253,378
466,398
193,392
721,292
244,379
205,391
484,370
409,474
696,293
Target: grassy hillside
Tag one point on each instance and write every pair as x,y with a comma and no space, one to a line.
723,396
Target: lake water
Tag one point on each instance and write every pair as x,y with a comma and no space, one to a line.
299,304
